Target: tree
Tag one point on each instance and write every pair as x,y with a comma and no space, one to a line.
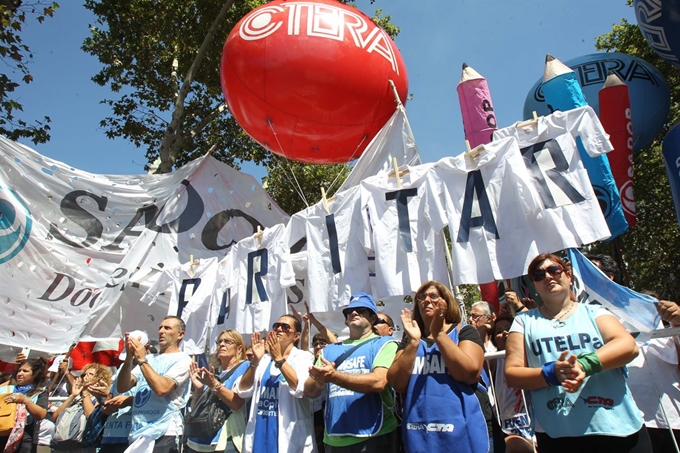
295,185
650,250
162,61
17,57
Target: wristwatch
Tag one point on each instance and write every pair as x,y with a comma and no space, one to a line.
142,362
279,363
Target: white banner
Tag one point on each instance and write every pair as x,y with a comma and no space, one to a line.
77,250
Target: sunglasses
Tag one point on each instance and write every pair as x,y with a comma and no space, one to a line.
379,321
360,311
316,344
422,297
284,326
539,274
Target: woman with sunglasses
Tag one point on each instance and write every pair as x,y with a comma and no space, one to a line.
572,357
438,369
230,354
280,418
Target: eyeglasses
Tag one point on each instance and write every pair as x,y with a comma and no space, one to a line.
422,297
361,311
225,341
539,274
475,316
282,325
316,344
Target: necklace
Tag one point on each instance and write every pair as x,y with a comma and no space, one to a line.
557,318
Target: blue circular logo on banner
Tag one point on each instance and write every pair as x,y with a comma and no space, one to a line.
15,224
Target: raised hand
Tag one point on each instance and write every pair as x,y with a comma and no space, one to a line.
77,386
257,346
438,319
274,347
308,313
99,389
195,375
295,313
410,326
207,376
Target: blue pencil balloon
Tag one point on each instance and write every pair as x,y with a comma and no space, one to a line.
563,92
671,154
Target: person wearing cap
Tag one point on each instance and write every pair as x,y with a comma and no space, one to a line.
360,404
160,387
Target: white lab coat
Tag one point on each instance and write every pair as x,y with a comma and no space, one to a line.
296,422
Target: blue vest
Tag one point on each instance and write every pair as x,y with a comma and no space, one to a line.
440,413
350,413
152,414
603,405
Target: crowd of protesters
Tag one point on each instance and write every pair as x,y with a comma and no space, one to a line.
561,385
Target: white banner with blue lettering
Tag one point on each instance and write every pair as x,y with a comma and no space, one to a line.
638,310
78,250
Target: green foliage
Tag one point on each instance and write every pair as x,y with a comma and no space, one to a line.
16,57
167,94
147,50
282,185
471,294
650,251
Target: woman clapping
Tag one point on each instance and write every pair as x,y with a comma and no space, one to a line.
280,417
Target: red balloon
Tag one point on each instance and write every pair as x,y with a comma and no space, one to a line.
309,80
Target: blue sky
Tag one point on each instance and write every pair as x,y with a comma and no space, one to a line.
505,41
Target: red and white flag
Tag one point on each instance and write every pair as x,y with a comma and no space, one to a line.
104,352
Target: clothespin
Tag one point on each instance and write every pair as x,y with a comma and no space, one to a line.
396,172
528,122
192,263
258,234
325,201
472,154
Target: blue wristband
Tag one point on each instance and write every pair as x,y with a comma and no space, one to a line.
549,373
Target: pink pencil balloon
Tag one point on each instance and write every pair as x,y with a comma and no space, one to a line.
479,119
479,122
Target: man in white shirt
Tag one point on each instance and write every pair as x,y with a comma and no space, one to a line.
161,391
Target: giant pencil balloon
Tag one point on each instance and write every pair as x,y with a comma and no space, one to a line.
616,119
671,154
659,22
479,123
648,91
479,120
563,92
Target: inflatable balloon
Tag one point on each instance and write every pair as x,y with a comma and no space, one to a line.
309,80
659,23
648,91
671,154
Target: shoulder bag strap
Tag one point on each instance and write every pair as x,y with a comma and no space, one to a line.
349,352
